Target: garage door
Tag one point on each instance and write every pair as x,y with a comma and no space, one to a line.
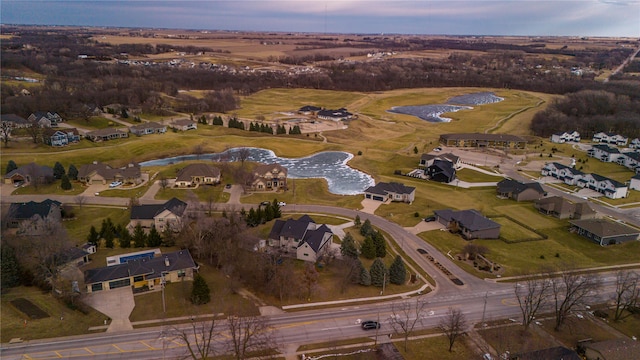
378,198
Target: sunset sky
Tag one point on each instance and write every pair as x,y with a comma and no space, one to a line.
482,17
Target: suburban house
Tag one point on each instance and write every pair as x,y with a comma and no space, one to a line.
106,134
303,236
14,121
197,174
630,160
335,115
634,183
60,136
33,212
562,137
554,353
635,143
562,208
45,118
614,349
567,174
469,223
604,232
441,171
604,152
483,140
73,256
184,124
27,173
610,138
142,273
160,216
427,160
609,187
392,191
309,110
269,177
519,191
148,128
100,173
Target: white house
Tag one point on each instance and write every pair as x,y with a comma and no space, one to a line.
567,174
605,153
610,138
562,137
609,187
635,143
634,183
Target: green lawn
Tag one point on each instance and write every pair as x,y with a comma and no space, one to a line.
436,347
511,231
87,216
94,123
472,176
53,188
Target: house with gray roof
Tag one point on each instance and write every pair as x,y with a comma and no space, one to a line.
106,134
27,173
562,208
302,236
519,191
471,224
147,128
392,191
427,160
160,216
554,353
610,138
100,173
614,349
33,212
45,118
441,171
193,175
604,232
15,121
604,152
269,177
142,272
60,136
184,124
634,183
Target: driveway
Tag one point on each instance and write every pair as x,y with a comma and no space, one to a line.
370,206
116,304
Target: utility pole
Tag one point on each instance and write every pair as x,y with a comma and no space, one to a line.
484,308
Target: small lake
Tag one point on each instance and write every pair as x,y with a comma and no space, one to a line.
433,112
329,165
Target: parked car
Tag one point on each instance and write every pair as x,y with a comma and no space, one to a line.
18,183
282,203
430,218
437,149
265,203
228,186
115,184
370,324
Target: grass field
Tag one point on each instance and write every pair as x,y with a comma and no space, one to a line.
436,347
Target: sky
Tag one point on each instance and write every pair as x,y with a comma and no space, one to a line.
452,17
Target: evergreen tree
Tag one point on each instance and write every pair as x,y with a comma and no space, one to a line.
348,247
268,213
9,267
366,228
108,238
65,184
200,293
58,170
93,236
251,218
217,120
397,272
72,172
125,238
168,237
107,225
139,237
154,239
365,276
380,244
277,213
357,222
378,273
281,130
11,165
368,248
124,113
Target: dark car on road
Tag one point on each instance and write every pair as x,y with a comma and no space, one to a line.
422,251
370,325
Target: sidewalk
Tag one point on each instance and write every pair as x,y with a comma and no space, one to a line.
595,269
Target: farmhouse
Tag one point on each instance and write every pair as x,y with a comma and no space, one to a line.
390,191
27,173
160,216
469,223
562,208
483,140
442,171
193,175
604,232
106,134
142,272
148,128
519,191
269,177
99,173
303,236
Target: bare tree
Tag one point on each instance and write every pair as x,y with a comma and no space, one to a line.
571,290
35,131
627,293
198,150
164,182
5,131
243,155
453,325
310,278
532,296
406,315
80,200
211,200
249,334
199,338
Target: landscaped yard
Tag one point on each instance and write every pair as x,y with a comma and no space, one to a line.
436,347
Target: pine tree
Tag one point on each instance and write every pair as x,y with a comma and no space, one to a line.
108,238
9,267
72,172
11,165
139,237
200,293
93,236
277,213
380,244
397,272
368,248
348,247
366,228
365,276
378,273
58,170
154,239
125,238
168,237
65,184
357,222
217,120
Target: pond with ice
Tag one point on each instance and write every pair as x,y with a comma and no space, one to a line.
433,112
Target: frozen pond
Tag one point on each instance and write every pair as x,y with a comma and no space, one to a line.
433,112
329,165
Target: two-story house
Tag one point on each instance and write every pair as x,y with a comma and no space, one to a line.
160,216
609,187
566,174
60,137
269,177
427,160
605,153
610,138
565,136
302,236
45,118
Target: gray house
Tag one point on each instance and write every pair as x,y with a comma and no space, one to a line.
562,208
471,224
604,232
390,191
519,191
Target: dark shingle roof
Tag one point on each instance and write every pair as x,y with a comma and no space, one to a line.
384,188
617,349
516,187
153,267
148,212
604,228
482,137
32,169
314,237
22,211
187,172
469,219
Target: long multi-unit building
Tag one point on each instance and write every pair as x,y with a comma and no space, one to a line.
608,187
